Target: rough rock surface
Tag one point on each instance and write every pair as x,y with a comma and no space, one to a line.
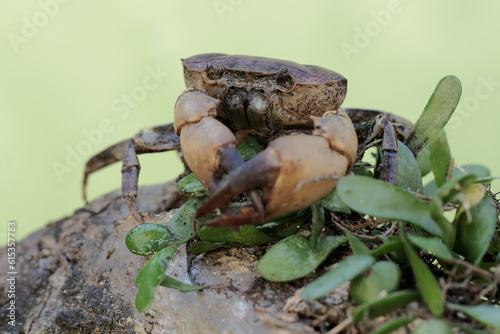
77,276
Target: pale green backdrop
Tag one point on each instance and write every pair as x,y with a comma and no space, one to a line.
67,68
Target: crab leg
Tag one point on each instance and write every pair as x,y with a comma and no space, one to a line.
152,139
368,124
105,158
381,126
389,153
293,172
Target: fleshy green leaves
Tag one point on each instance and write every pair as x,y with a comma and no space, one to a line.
437,112
432,245
295,257
426,283
182,222
153,274
384,277
474,234
251,235
488,315
147,239
191,185
249,147
346,270
332,202
440,156
377,307
409,175
383,200
433,326
246,235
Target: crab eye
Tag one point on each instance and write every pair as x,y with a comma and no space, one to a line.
214,73
284,79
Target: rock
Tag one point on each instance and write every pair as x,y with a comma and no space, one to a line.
77,276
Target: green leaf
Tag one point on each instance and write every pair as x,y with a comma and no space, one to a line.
485,314
482,174
152,275
431,245
392,325
387,247
285,225
409,175
254,235
247,235
473,238
384,276
433,326
318,221
182,221
346,270
148,238
249,147
191,185
380,199
357,246
448,229
378,307
172,283
293,257
201,247
424,161
426,282
430,188
333,203
437,112
478,170
440,158
448,191
488,179
182,226
362,170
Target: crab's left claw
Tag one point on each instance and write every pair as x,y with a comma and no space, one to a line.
293,172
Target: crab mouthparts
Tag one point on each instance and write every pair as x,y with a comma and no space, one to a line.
247,109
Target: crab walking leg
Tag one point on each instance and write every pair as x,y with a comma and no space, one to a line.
293,171
105,158
389,153
145,143
359,115
382,127
152,139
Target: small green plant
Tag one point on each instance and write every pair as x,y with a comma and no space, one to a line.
445,228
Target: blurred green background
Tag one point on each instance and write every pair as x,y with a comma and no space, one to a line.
68,67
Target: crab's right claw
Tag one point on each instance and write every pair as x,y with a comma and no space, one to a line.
258,172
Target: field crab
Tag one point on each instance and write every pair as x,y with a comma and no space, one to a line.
294,109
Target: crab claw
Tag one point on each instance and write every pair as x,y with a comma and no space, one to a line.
259,172
293,173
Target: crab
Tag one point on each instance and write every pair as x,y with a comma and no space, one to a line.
294,109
